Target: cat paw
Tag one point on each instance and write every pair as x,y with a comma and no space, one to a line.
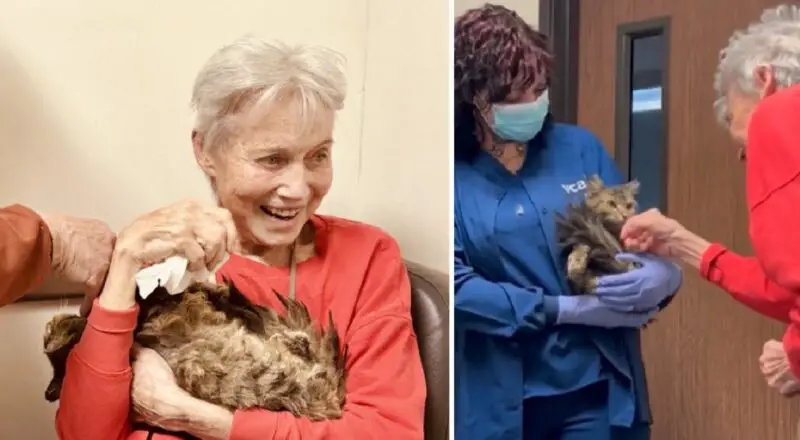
577,262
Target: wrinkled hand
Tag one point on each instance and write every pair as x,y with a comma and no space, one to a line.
201,233
643,288
589,310
776,371
81,252
651,231
155,397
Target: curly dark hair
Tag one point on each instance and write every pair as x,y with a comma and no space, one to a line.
496,52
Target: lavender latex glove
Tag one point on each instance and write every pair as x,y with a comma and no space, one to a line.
648,287
589,310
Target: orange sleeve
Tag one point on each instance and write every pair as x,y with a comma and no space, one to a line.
744,279
385,395
25,252
95,396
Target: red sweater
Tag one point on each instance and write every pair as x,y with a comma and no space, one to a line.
770,282
357,274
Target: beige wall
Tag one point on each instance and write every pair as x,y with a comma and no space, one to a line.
527,9
94,121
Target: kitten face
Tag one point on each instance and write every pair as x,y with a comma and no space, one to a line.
616,203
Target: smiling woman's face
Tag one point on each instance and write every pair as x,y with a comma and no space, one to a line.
273,172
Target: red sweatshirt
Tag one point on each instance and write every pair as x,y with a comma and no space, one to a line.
357,274
770,283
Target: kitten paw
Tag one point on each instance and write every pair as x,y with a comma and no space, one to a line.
577,261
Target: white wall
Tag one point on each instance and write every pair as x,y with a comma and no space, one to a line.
94,121
527,9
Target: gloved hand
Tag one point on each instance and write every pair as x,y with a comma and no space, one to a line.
643,288
589,310
776,371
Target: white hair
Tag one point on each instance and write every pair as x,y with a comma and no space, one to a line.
254,73
773,40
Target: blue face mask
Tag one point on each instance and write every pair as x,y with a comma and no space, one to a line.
520,122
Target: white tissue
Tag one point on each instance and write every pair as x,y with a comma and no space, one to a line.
170,274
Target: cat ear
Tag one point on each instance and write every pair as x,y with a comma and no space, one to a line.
633,187
594,184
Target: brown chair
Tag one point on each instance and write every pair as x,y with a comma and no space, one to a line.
430,310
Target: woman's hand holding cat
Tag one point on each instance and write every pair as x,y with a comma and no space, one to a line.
643,288
590,310
157,400
201,233
155,397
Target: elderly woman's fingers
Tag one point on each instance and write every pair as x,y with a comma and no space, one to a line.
193,252
633,244
226,220
650,221
773,346
216,234
202,233
643,243
212,237
634,227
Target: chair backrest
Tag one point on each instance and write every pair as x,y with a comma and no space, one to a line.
430,309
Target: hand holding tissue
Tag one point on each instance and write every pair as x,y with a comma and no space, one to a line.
170,247
172,274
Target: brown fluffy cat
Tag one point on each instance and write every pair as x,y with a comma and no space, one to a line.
227,351
588,233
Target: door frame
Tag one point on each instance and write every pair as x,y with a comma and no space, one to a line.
559,20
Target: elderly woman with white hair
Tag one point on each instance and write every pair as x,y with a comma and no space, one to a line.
758,89
263,136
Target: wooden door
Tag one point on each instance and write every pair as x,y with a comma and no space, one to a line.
702,354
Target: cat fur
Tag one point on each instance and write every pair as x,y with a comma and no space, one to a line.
227,351
588,233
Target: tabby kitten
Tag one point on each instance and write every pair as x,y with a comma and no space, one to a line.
225,350
588,233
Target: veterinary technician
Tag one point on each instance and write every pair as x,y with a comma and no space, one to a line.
533,360
33,245
758,101
263,136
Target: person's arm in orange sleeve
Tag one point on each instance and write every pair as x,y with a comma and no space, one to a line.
385,394
744,279
25,252
95,398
